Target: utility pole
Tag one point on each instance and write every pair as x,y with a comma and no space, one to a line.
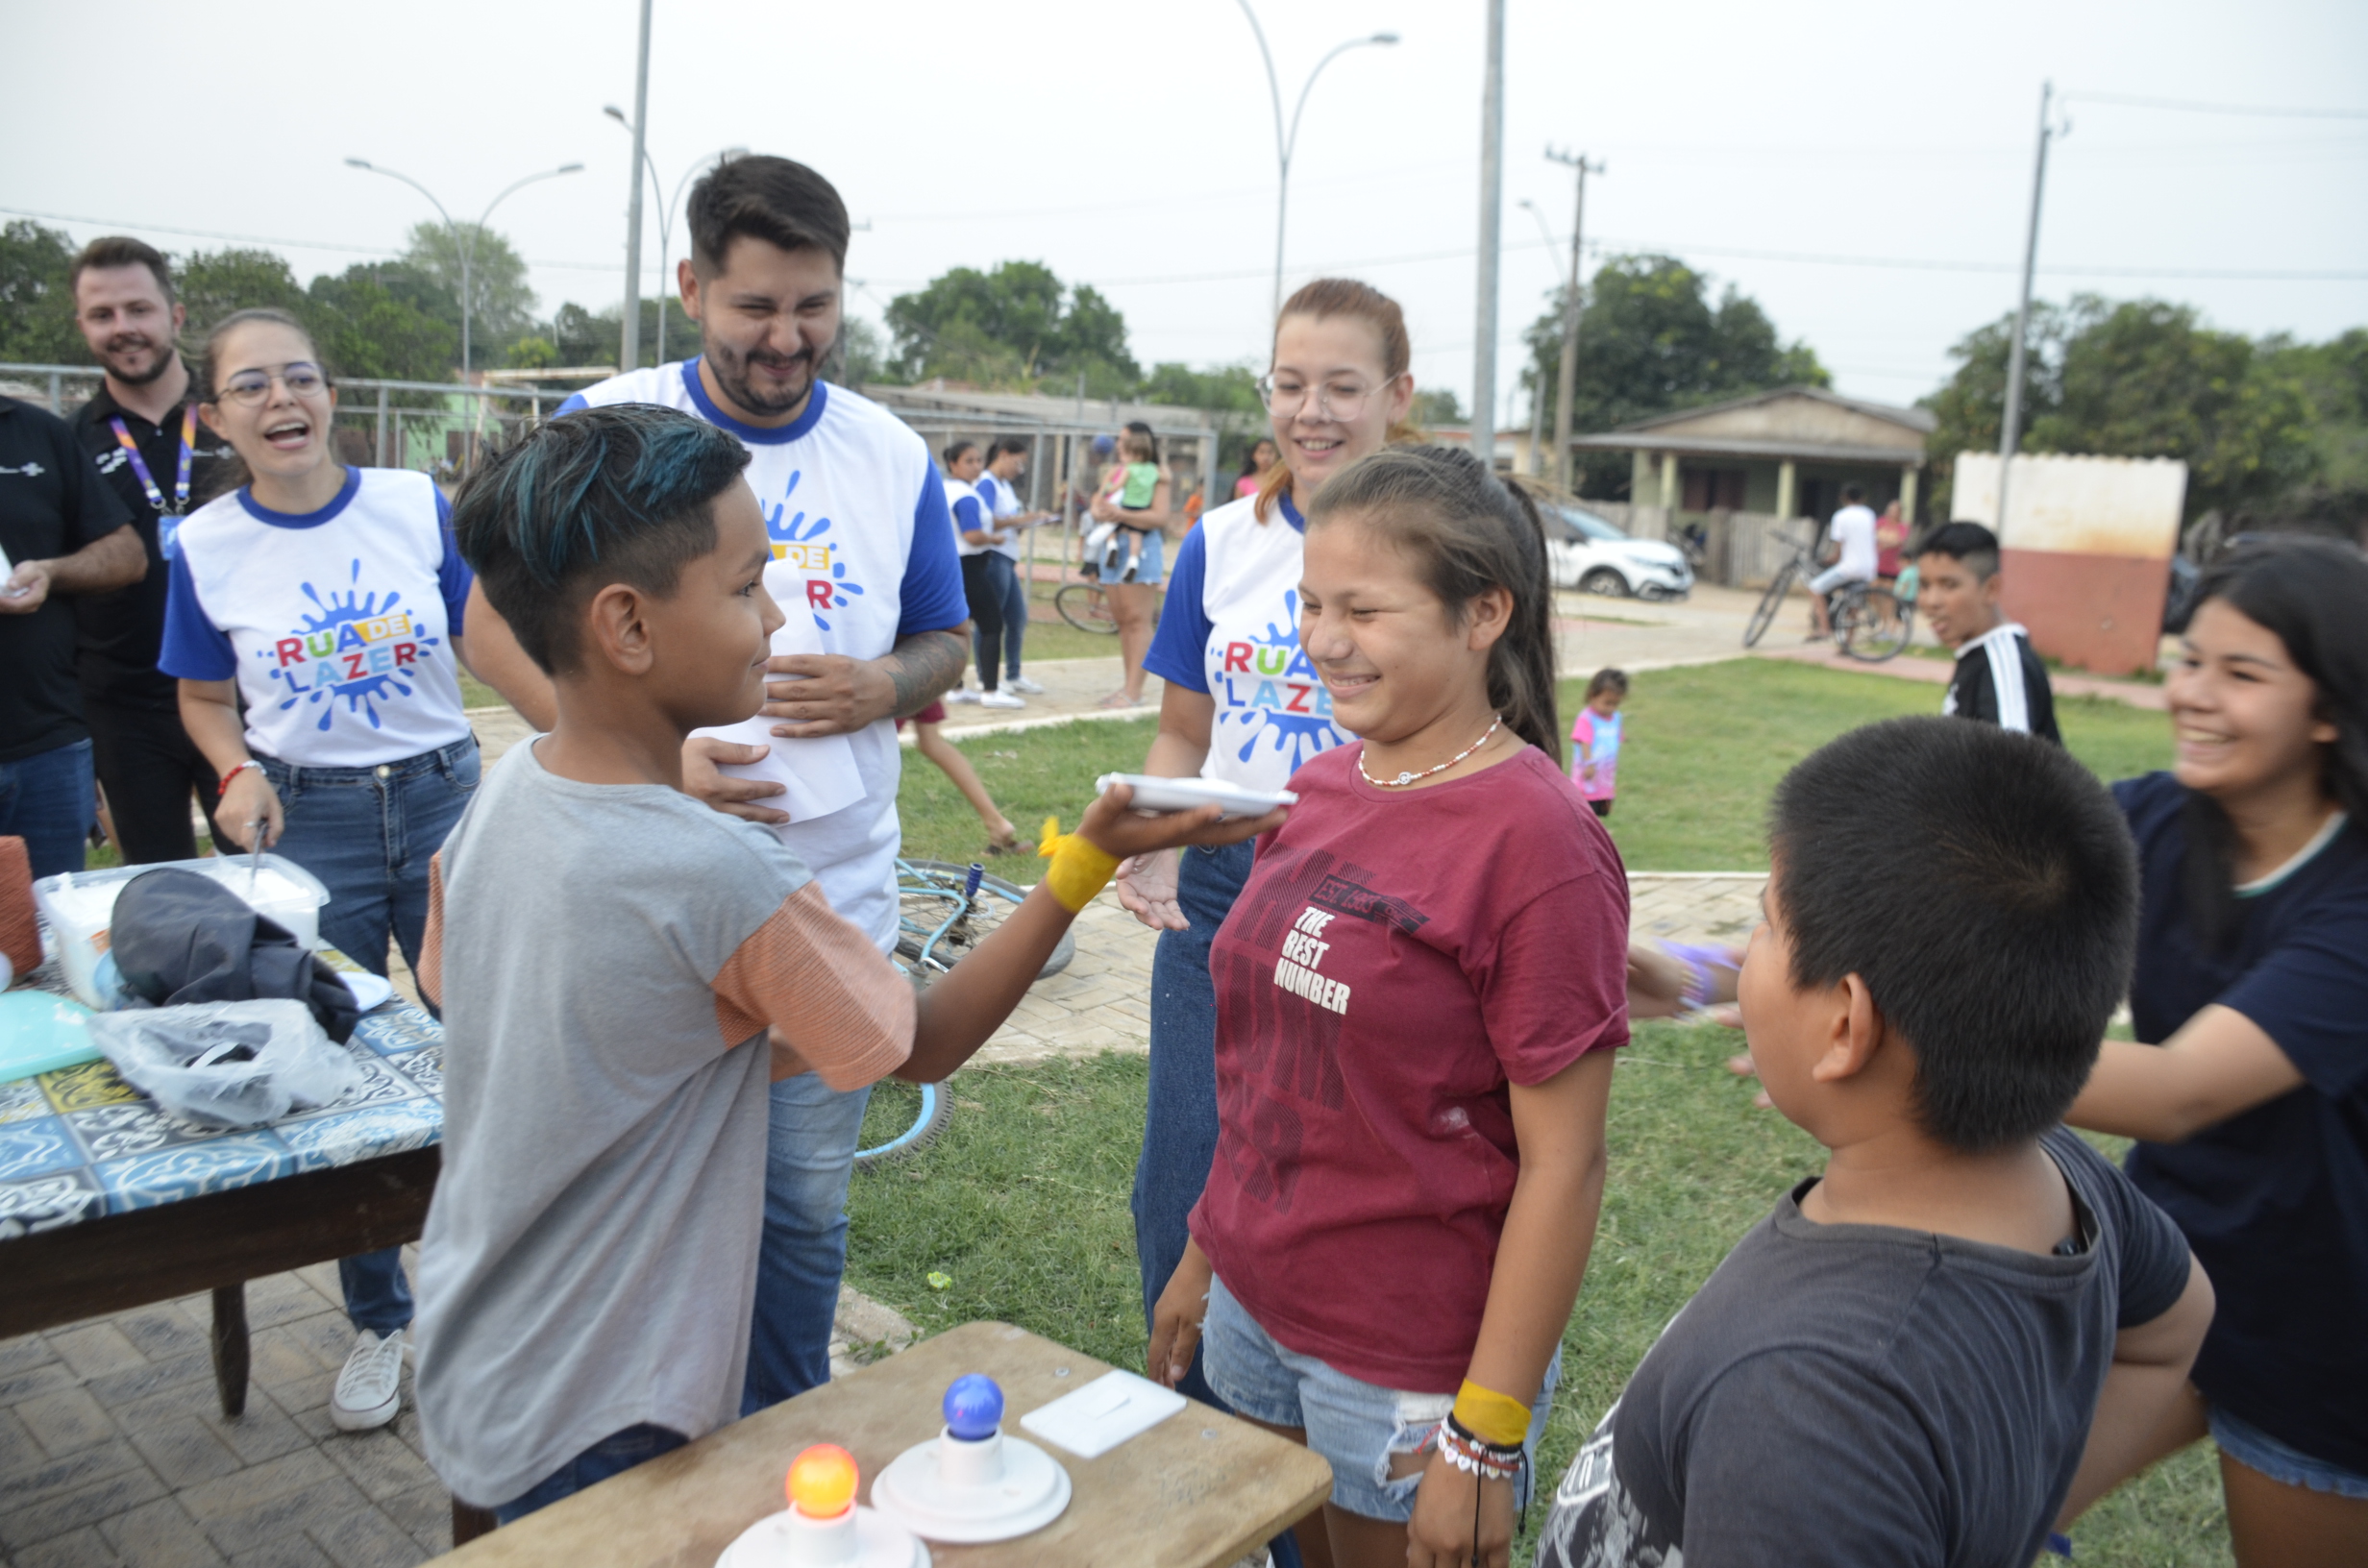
629,357
1491,203
1566,378
2010,431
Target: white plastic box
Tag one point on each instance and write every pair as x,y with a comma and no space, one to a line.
81,905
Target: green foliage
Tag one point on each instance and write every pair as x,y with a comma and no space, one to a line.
37,308
1435,405
214,284
384,321
1652,340
533,352
501,305
2147,379
1232,389
861,355
1013,327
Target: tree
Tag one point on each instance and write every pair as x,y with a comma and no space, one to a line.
1438,406
214,284
37,308
383,322
501,305
1227,389
2141,378
1652,341
861,357
1015,326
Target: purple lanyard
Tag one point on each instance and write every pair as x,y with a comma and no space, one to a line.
181,476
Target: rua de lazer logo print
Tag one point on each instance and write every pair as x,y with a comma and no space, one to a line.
1272,689
357,649
801,545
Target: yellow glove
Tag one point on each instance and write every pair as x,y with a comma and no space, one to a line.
1078,871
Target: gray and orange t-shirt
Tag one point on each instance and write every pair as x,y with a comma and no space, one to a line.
609,958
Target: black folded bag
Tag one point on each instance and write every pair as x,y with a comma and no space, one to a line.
178,937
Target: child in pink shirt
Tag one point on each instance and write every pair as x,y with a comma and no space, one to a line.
1595,739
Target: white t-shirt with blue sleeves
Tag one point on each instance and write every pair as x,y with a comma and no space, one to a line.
336,624
1230,628
862,541
1001,501
969,506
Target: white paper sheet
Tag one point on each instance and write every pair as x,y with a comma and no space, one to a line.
1104,1413
819,774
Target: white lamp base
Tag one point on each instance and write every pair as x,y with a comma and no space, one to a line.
870,1539
1029,1493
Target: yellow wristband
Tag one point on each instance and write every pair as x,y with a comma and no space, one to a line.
1490,1416
1078,871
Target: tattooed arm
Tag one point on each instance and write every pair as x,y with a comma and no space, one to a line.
833,696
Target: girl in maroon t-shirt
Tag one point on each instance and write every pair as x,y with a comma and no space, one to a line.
1416,994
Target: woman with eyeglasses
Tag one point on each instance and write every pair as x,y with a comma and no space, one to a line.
331,600
1243,704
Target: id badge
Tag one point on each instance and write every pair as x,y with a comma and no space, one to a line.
169,534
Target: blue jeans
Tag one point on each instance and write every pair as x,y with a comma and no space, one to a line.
1179,1128
47,799
1015,621
368,834
809,1155
613,1456
1001,627
1359,1427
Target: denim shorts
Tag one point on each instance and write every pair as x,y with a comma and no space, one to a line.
2282,1463
1154,560
1356,1426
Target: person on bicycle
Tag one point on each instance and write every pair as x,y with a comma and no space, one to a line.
1852,532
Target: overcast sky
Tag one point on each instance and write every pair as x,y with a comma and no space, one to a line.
1132,146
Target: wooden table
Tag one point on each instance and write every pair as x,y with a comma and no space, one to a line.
1198,1490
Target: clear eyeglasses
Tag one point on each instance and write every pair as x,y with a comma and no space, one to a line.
249,387
1342,400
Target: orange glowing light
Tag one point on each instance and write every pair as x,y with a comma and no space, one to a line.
822,1481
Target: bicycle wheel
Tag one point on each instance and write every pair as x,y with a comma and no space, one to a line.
1871,625
937,931
1084,606
901,1118
1769,603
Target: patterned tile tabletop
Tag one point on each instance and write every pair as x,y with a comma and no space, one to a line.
80,1142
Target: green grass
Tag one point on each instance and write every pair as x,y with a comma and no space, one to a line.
1706,746
1022,1205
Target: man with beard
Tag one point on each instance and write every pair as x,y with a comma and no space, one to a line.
862,543
143,432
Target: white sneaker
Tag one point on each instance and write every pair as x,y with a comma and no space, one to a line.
370,1385
1000,699
1021,683
960,693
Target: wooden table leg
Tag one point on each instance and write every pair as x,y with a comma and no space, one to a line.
230,1348
469,1522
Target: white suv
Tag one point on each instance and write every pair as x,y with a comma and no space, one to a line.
1594,555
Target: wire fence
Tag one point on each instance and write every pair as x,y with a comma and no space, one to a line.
437,427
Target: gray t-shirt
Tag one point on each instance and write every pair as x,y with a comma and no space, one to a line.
1867,1396
609,958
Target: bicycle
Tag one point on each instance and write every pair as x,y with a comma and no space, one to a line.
944,910
1870,622
1085,607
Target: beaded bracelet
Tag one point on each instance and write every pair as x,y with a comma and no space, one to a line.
1475,1457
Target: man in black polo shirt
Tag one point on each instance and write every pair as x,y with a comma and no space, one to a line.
64,534
143,431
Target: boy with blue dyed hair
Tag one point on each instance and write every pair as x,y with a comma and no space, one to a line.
624,971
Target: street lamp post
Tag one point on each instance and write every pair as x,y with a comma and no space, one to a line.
1286,141
466,242
666,212
1537,391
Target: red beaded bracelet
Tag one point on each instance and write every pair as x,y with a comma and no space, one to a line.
224,788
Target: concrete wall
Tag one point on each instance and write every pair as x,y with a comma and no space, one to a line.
1805,421
2087,549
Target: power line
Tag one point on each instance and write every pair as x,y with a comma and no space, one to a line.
2193,107
123,225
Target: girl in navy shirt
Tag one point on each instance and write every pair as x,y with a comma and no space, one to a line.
2251,1100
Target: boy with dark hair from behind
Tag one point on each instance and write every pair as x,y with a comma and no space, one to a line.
1999,679
623,971
1971,1326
